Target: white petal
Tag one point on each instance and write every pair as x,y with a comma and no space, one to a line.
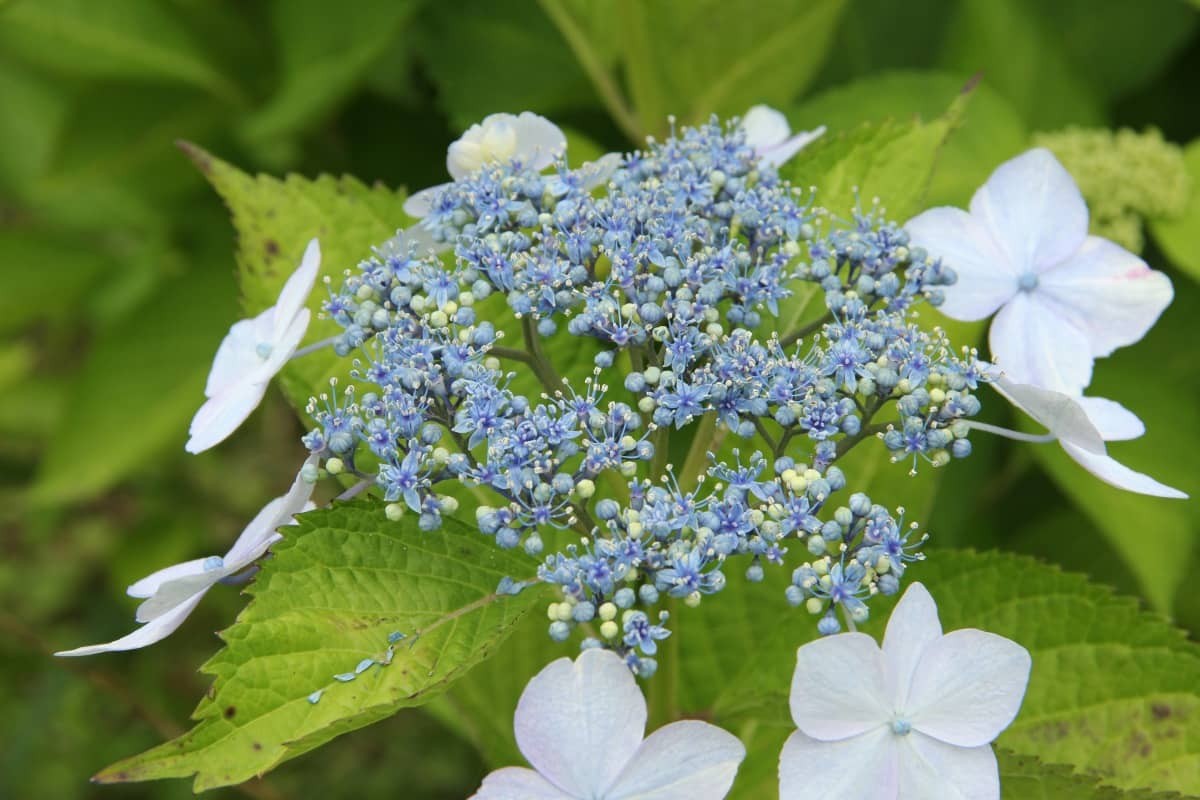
174,593
596,173
220,416
765,127
860,768
930,768
1062,415
148,634
782,153
913,626
284,346
687,760
1114,473
1033,209
539,141
1114,421
568,708
296,290
986,277
968,687
1113,296
1035,342
237,354
518,783
149,584
420,203
839,689
261,531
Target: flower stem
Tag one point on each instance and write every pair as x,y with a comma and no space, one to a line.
708,437
314,347
1038,438
537,358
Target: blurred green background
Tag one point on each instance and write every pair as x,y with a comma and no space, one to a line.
117,283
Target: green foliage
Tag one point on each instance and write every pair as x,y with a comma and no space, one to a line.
337,587
1180,237
160,385
275,219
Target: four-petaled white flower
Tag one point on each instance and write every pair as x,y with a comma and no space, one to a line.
911,721
251,354
1082,425
768,132
581,724
172,592
1064,298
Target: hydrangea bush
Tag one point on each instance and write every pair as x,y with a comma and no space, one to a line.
637,381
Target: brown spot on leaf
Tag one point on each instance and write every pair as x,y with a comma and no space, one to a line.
1160,710
271,247
257,745
230,712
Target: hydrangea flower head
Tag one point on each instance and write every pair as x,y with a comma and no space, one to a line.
251,354
582,725
911,720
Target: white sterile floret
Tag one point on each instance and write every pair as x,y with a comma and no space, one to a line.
172,592
1082,425
581,724
909,721
1063,297
768,132
251,354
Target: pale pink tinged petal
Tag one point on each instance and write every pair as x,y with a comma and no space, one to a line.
1114,421
1033,209
765,128
1112,295
687,760
294,295
518,783
174,593
1036,343
149,584
578,723
968,687
218,418
860,768
237,354
930,768
156,630
986,277
782,153
1061,414
839,688
1114,473
420,203
913,626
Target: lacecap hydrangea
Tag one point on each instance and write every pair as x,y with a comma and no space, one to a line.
698,427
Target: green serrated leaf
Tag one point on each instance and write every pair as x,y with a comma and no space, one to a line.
133,39
1179,238
336,588
275,218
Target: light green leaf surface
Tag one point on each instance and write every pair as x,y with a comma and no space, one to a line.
133,39
137,390
336,587
275,218
1179,238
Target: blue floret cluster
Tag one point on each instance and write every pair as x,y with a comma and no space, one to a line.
648,382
